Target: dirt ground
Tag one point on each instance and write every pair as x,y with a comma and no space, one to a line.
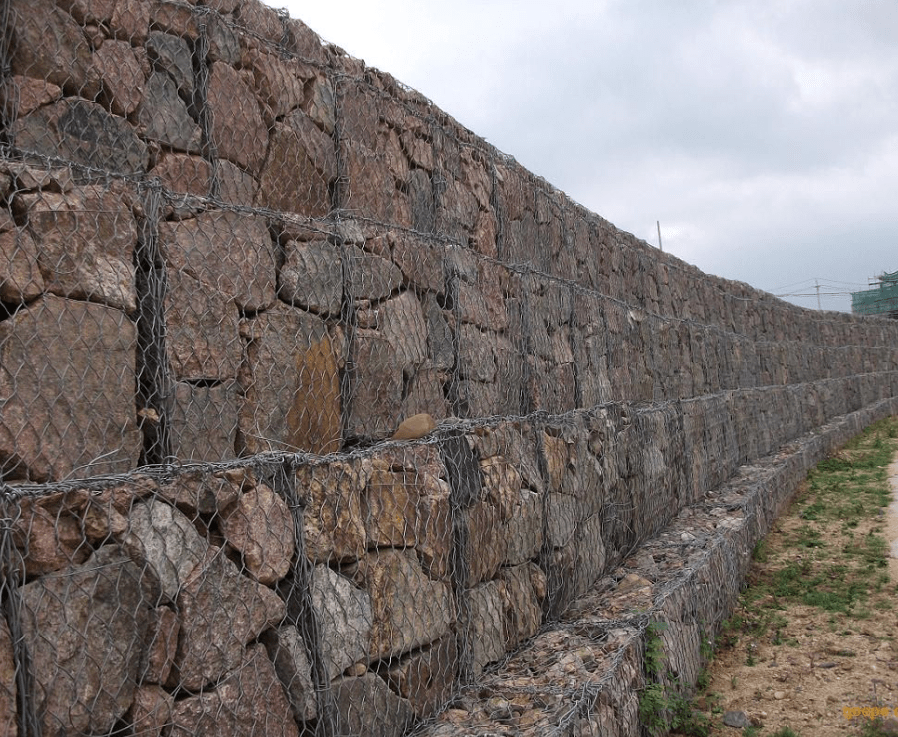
808,666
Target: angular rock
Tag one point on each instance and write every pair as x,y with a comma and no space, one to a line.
427,393
199,492
151,711
299,169
183,173
118,66
366,707
39,408
171,55
375,402
292,384
334,528
163,115
524,529
85,240
501,484
476,354
221,611
434,542
236,186
485,548
401,321
164,541
202,330
390,508
203,422
280,81
523,608
372,189
409,609
426,678
312,277
20,276
483,622
421,196
260,526
344,618
25,94
320,105
84,632
228,252
82,132
370,276
48,44
131,20
420,261
287,650
250,701
238,130
50,536
8,690
161,646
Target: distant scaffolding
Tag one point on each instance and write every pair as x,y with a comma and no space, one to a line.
881,300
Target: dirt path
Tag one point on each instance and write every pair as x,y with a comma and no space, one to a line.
785,663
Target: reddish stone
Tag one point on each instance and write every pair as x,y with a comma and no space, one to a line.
238,131
122,72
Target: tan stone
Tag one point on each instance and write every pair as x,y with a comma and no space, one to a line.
261,527
416,426
390,508
426,678
334,528
501,484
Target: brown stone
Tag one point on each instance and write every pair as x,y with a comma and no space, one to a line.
401,321
163,116
260,526
420,151
30,94
366,707
409,609
484,625
370,276
89,11
524,529
434,539
280,81
48,44
82,132
485,549
40,408
292,384
287,650
236,186
228,252
161,646
151,711
238,131
501,484
131,20
523,608
343,614
8,689
312,277
84,631
202,330
249,701
375,403
199,492
121,70
20,277
221,611
427,394
85,240
257,17
426,678
334,528
390,508
203,422
319,104
50,537
416,426
372,190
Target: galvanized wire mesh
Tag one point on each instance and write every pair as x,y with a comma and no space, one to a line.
233,261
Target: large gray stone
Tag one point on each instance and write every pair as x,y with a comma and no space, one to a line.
370,276
171,54
85,632
288,652
163,115
203,422
483,622
343,614
40,409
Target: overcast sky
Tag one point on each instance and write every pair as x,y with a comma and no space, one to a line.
762,134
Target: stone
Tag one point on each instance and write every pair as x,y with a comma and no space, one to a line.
476,354
292,383
523,608
203,422
390,508
183,173
238,130
161,646
737,719
221,611
8,685
366,707
163,116
262,20
409,609
163,541
84,632
420,261
131,20
524,529
312,277
171,55
151,711
38,408
84,133
426,678
202,330
485,234
119,67
200,492
235,185
20,276
427,394
249,701
343,615
483,621
414,427
228,252
376,388
85,243
434,539
280,81
421,196
319,103
372,190
401,322
370,277
48,44
260,525
501,484
50,536
287,650
440,344
485,547
333,526
299,168
89,11
28,94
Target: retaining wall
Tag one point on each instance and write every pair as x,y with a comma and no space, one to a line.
233,260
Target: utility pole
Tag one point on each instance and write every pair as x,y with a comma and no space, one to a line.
658,223
817,283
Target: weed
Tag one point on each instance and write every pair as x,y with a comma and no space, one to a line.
786,732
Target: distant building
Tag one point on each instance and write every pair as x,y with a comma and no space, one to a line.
881,300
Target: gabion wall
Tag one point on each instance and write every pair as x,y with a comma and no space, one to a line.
232,261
